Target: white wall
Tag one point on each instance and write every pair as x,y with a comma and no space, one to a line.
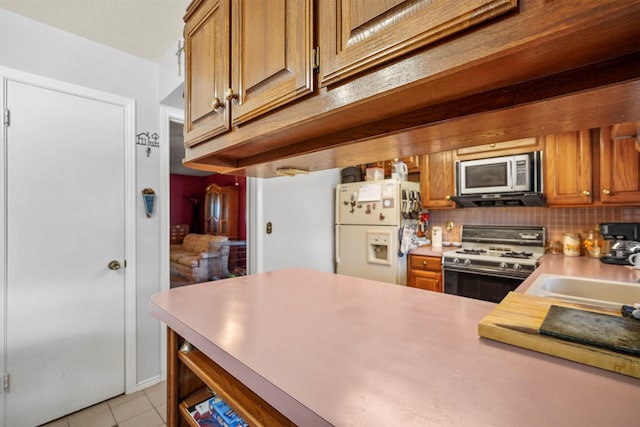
171,81
29,46
301,210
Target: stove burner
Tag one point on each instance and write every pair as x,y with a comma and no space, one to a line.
521,255
472,251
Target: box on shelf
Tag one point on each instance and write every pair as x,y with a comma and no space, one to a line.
375,174
216,413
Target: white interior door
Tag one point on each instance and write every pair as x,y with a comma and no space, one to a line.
65,330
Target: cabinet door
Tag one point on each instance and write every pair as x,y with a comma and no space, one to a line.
619,168
437,180
206,44
496,149
568,168
272,55
425,272
356,35
229,212
427,280
221,211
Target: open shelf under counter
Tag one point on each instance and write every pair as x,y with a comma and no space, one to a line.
192,372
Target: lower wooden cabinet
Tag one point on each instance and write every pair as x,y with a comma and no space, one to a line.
425,272
191,376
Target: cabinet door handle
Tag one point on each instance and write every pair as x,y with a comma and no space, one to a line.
606,192
586,192
217,105
424,263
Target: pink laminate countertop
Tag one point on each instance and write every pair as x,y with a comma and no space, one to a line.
429,251
326,349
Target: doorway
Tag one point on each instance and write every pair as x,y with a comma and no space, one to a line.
185,205
68,220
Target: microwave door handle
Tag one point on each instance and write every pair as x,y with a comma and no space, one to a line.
510,183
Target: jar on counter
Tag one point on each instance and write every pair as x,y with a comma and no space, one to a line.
571,244
554,247
592,244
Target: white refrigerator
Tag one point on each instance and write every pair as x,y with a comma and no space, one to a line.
369,219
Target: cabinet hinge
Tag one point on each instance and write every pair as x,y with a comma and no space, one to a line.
315,58
7,116
5,383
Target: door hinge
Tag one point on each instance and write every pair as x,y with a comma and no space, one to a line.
5,383
315,58
7,116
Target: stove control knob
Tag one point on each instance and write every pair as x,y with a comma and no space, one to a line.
517,267
467,261
504,265
456,260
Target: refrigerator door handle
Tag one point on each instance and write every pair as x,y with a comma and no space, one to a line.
337,243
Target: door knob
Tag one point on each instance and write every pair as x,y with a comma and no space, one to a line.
114,265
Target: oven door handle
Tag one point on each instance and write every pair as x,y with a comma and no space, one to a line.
486,272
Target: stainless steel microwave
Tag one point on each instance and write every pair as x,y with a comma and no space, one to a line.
520,173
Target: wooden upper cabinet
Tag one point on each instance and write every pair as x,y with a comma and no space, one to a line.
497,149
206,45
243,59
272,55
437,180
357,35
568,168
619,167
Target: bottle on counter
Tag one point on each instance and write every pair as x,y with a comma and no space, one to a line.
436,236
571,244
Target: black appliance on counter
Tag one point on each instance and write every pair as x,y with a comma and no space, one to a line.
626,236
492,260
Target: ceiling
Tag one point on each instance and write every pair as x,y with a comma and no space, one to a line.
144,28
147,29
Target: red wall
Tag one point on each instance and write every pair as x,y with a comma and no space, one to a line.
183,189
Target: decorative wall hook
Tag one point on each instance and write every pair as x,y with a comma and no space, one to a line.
144,138
148,197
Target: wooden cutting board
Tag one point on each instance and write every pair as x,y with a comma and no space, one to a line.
517,321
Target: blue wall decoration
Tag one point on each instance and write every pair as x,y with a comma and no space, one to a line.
148,197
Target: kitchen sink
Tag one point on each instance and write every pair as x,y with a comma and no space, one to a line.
601,293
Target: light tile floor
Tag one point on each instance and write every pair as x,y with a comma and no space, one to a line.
145,408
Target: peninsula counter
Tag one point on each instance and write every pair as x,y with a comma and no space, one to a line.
324,349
